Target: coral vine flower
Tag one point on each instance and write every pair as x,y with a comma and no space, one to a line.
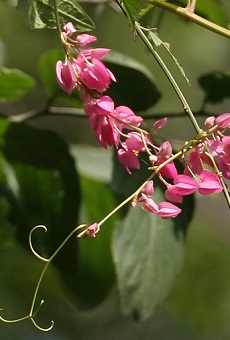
65,76
129,159
92,230
148,190
209,183
69,29
183,186
160,123
84,40
223,121
168,210
164,153
150,206
134,142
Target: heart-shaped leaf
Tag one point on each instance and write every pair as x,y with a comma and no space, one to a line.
41,14
147,255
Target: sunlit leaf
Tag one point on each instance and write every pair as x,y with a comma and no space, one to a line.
41,14
14,84
147,255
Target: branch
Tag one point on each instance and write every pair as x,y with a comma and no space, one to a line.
185,13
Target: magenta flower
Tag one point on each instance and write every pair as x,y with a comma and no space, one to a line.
168,210
95,75
97,53
104,130
126,115
148,190
65,76
210,121
160,123
195,162
102,106
134,142
209,183
129,159
150,206
223,121
172,195
84,40
69,29
92,230
185,185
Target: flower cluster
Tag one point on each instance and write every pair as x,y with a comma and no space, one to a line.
119,126
86,72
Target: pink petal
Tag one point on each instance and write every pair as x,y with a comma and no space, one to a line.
84,40
223,121
148,190
65,76
160,123
209,183
168,210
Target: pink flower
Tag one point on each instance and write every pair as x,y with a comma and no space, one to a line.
169,170
65,76
134,142
185,185
92,230
164,153
126,115
195,162
172,195
165,150
102,106
69,29
98,53
209,183
160,123
129,159
148,190
84,40
95,75
223,121
150,206
210,121
105,132
168,210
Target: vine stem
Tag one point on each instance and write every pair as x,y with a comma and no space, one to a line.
133,195
168,74
48,263
184,12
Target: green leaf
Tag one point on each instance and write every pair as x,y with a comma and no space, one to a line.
14,84
147,255
41,14
131,9
96,263
134,81
216,86
48,190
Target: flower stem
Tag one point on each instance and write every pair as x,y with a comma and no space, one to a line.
171,79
